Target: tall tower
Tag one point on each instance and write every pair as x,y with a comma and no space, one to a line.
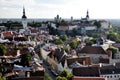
87,15
24,20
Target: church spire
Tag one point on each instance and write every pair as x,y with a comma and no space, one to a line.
23,11
87,15
24,16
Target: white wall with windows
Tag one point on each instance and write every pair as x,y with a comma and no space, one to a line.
111,76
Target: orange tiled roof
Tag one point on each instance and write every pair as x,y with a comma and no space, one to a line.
7,34
80,60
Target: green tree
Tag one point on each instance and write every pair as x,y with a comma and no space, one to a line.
58,41
114,50
47,77
61,78
90,42
63,22
74,31
113,36
63,37
95,35
66,49
25,58
3,49
1,77
98,24
74,43
34,24
64,75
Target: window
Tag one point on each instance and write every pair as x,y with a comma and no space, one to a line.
110,76
117,75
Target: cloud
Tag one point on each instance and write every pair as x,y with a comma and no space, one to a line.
58,2
65,8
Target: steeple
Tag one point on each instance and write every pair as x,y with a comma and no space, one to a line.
24,20
24,16
87,15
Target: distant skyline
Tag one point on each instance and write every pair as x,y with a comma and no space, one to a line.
98,9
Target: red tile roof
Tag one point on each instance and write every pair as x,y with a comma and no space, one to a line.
80,60
7,34
92,50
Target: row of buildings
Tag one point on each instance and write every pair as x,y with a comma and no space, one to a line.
85,62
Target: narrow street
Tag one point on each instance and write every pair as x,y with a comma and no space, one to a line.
47,68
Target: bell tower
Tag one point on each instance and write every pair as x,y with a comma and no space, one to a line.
24,19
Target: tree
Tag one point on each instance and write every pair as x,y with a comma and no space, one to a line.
63,22
34,24
98,24
58,41
64,75
113,49
74,43
95,35
47,77
63,37
3,49
57,24
74,31
90,42
25,58
114,36
61,78
1,77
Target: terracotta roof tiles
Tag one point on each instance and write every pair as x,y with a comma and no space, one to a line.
92,50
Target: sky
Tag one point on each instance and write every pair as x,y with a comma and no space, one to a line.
98,9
